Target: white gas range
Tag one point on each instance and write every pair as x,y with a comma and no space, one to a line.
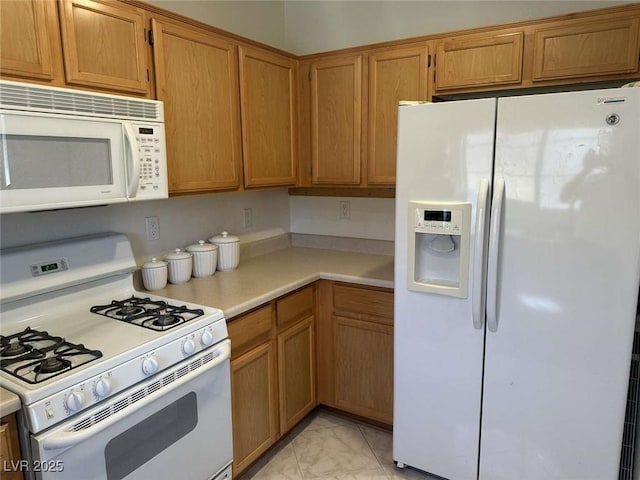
114,383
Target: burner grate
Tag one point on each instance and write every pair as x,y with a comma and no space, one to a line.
155,315
34,356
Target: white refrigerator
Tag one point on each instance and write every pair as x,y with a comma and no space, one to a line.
517,264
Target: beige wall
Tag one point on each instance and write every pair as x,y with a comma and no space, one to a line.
317,26
183,221
262,21
371,218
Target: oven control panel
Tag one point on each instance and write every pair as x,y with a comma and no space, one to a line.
78,397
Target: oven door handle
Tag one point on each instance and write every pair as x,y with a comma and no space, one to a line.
68,439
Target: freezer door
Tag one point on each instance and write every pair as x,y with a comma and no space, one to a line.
557,364
445,154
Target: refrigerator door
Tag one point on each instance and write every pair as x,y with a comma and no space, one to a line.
557,364
445,154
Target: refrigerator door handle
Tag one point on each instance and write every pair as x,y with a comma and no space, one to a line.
494,249
478,283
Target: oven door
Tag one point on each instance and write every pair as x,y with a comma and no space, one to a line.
174,425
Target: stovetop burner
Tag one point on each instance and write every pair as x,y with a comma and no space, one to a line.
166,320
35,356
144,312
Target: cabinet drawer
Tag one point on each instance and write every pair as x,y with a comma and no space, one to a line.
365,304
250,329
296,306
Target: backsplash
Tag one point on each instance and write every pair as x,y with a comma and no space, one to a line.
182,221
368,218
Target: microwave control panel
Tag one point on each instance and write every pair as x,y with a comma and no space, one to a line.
153,163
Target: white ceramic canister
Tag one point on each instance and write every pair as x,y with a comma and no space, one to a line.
205,258
180,265
228,251
154,274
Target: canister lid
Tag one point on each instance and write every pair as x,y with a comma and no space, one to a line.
154,263
177,255
223,238
201,246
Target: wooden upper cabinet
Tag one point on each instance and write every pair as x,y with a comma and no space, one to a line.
479,61
104,45
197,79
586,49
394,75
267,96
336,120
26,38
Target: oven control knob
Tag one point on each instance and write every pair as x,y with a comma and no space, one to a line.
206,338
103,387
150,365
75,400
189,346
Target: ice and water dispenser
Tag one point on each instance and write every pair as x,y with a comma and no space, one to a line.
438,254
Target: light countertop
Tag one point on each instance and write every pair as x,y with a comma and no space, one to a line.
9,402
263,278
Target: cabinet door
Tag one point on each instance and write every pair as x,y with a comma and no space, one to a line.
336,116
394,75
253,405
9,449
196,78
479,61
588,49
267,95
25,37
363,363
296,373
104,45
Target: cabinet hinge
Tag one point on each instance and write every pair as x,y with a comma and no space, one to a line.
434,60
428,61
148,80
150,37
309,75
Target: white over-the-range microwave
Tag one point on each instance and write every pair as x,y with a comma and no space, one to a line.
63,148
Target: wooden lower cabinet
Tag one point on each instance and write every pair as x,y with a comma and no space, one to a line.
273,383
9,448
329,343
355,349
296,373
363,360
253,404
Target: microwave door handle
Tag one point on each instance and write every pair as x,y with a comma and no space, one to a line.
68,439
133,159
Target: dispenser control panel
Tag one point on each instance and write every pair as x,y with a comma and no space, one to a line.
438,250
449,221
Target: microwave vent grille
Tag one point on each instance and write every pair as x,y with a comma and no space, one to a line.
19,96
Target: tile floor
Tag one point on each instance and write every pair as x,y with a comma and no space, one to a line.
328,447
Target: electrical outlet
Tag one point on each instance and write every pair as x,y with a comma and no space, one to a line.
247,217
345,209
152,225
